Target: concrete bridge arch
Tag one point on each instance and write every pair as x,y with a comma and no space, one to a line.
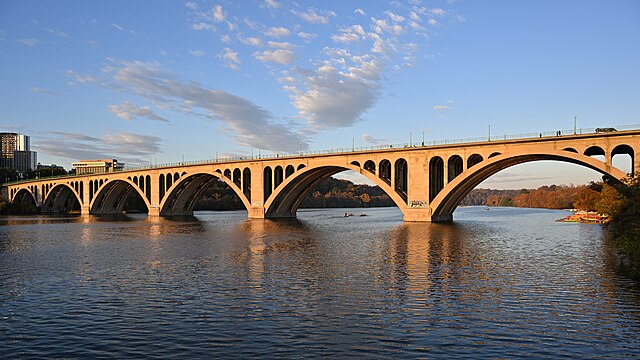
108,196
448,198
285,200
181,196
61,198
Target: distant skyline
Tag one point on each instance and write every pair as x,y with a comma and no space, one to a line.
162,81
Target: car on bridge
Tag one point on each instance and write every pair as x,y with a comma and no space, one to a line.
603,130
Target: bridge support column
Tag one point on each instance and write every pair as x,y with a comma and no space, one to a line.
85,210
255,212
154,212
424,215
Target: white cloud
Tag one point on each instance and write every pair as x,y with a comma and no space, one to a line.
277,32
381,26
203,26
437,12
307,36
29,42
128,111
250,124
350,34
279,56
373,140
315,16
40,90
432,22
329,98
359,11
230,59
280,45
197,53
394,17
272,4
254,41
57,33
218,14
191,5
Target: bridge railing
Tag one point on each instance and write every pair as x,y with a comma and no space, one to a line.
344,150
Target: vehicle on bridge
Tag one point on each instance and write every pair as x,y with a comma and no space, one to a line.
603,130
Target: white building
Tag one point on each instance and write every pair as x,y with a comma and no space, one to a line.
97,166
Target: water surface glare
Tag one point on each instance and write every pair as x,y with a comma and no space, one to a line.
501,283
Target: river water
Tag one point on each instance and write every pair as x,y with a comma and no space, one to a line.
501,283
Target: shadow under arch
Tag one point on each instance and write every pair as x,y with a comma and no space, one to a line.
181,197
448,199
24,196
62,198
286,199
111,197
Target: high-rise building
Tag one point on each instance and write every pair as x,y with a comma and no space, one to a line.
15,152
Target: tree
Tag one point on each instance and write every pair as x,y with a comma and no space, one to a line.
611,201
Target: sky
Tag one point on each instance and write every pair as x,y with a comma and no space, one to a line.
151,82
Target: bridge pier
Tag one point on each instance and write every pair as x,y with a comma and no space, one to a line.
424,215
84,210
154,212
255,212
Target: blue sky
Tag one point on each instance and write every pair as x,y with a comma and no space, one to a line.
156,81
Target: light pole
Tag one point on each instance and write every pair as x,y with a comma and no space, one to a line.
575,123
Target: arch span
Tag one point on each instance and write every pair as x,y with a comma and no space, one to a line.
181,198
61,198
110,198
24,195
286,199
447,200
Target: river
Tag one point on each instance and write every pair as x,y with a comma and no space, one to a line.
500,283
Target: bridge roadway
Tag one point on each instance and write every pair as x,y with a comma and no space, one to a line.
426,182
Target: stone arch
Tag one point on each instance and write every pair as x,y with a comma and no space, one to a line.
436,176
286,199
624,149
355,163
401,180
111,197
161,186
455,167
594,151
61,198
569,149
227,173
268,182
289,171
246,183
384,171
237,177
24,195
370,166
474,160
301,166
494,154
446,201
184,194
278,176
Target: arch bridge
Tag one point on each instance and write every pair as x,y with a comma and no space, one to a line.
426,182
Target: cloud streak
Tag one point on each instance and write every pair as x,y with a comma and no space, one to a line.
250,124
128,111
126,147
